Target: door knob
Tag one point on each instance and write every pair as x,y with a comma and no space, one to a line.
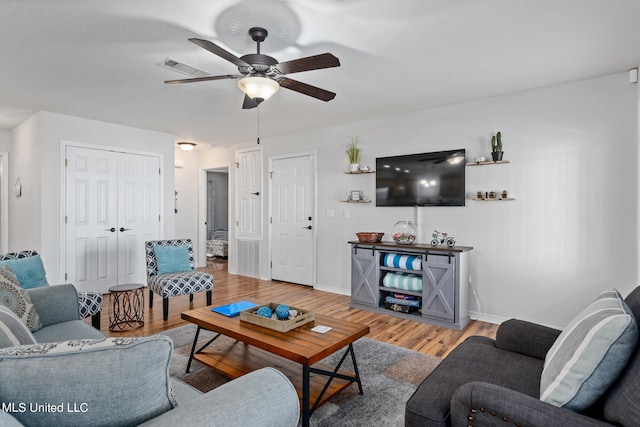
307,227
112,229
124,229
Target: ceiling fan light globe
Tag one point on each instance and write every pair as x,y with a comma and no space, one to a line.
258,87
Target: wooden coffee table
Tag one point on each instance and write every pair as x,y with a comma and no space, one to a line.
283,351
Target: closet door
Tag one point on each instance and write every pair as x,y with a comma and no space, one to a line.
138,213
112,207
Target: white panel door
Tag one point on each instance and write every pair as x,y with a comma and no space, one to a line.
112,207
249,195
138,213
91,219
292,247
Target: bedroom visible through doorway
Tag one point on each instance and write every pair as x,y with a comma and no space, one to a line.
217,215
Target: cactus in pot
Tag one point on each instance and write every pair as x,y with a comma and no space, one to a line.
496,147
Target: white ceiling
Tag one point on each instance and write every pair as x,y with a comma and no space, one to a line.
97,59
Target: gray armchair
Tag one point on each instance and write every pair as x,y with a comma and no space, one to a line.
31,271
486,382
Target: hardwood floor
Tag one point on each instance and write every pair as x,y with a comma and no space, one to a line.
425,338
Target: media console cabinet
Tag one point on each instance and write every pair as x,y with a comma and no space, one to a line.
418,282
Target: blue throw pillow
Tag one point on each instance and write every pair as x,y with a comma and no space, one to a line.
29,271
172,259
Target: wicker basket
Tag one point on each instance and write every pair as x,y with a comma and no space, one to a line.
369,236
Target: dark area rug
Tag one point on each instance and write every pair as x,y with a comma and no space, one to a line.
389,375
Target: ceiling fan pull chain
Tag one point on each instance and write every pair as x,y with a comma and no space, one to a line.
258,140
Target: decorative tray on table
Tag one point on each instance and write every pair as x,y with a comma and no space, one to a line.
297,317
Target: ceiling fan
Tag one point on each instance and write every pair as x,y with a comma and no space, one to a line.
261,75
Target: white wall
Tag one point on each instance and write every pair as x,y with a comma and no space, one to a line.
35,218
570,233
186,179
5,140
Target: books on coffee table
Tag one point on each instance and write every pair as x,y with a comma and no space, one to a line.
233,309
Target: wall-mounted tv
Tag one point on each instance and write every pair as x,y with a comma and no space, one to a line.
427,179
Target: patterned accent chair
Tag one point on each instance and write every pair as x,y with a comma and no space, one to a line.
178,279
90,303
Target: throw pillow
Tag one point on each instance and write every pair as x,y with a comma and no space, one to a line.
589,354
172,259
17,299
138,373
29,271
13,331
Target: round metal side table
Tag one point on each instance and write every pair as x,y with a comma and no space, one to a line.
127,307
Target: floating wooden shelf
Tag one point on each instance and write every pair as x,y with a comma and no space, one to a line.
491,162
359,172
356,201
493,200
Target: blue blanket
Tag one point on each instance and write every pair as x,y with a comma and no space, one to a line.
408,262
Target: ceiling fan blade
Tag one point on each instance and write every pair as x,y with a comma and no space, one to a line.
306,89
215,49
316,62
203,79
248,103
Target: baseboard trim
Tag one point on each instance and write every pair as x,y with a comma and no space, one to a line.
489,318
332,289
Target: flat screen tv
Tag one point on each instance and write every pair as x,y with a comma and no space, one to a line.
427,179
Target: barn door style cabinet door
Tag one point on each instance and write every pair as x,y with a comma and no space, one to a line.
365,270
418,282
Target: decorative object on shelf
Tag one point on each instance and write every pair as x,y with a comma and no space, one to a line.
479,195
492,194
481,159
355,195
404,233
442,239
282,312
369,236
364,168
265,312
505,194
353,153
496,147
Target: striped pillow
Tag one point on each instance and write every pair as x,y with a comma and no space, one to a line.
589,354
13,331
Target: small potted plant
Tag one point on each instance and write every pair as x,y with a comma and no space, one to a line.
496,147
353,153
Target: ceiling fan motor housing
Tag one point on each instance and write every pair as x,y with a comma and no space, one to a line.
261,64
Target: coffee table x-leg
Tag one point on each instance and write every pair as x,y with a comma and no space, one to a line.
307,407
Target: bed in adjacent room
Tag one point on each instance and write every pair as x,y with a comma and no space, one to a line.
218,246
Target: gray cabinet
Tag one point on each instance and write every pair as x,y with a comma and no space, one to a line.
364,276
436,282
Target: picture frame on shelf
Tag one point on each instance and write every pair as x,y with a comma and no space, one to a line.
355,195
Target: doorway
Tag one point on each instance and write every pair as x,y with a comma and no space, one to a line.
4,202
217,213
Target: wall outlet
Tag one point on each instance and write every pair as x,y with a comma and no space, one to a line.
330,213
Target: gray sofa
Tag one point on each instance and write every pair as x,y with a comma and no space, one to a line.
74,375
486,382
